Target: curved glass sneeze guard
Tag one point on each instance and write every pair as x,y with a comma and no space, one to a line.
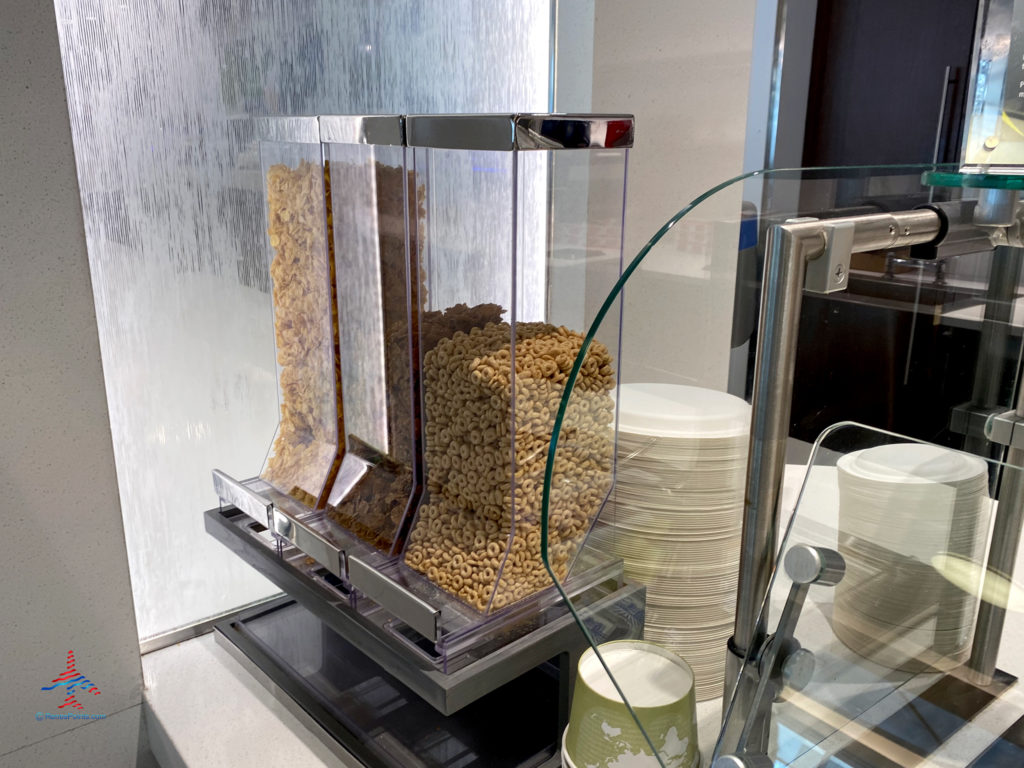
883,640
928,349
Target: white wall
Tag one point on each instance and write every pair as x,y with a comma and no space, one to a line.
683,69
62,556
779,80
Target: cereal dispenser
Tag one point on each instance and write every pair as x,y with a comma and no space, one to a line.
523,234
433,281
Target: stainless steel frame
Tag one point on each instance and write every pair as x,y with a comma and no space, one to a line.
301,129
331,554
614,610
790,247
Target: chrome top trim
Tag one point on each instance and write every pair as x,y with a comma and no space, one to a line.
574,131
246,499
513,132
485,132
380,130
304,129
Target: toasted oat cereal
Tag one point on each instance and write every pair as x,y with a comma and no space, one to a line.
478,529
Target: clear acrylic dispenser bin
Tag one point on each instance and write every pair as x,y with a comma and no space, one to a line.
304,457
343,471
463,261
522,242
379,477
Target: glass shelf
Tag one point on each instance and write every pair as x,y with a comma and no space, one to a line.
973,180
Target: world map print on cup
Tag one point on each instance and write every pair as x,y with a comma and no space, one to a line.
71,683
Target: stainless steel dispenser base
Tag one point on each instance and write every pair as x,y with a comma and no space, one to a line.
367,717
544,648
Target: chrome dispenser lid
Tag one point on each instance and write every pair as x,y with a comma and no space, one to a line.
302,129
381,130
513,132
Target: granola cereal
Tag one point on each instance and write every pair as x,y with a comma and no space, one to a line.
304,456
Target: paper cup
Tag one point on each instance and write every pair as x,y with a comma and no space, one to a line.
660,688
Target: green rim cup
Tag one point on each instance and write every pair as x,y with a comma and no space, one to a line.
658,685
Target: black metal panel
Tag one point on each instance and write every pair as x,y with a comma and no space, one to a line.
380,720
876,87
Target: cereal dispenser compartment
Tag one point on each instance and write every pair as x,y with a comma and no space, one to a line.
305,454
374,221
342,472
522,242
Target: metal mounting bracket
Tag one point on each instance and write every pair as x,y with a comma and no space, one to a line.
1005,429
829,272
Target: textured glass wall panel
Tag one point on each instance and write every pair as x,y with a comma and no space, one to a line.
160,97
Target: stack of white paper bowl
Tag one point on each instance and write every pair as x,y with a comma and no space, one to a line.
902,506
676,513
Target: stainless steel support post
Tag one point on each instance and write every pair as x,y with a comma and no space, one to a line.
988,632
789,247
781,298
1006,534
990,370
996,207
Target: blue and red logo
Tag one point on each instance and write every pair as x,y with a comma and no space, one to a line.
72,681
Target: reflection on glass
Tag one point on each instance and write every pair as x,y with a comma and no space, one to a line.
995,588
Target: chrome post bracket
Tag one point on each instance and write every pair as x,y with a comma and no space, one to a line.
828,272
1006,429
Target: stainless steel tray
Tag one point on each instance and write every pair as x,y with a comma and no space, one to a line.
494,655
